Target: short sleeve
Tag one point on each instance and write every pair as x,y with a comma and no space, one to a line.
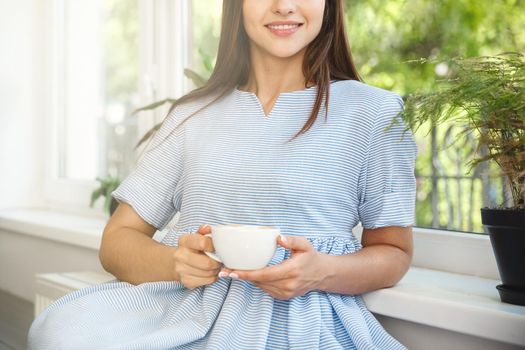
387,184
150,187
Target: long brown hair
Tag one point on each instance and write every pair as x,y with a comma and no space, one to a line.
327,58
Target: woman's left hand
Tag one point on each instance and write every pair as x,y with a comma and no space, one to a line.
301,273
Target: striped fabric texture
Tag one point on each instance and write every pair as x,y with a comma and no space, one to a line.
230,163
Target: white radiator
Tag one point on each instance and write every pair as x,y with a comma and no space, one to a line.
52,286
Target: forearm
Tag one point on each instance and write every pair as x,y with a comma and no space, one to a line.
134,257
371,268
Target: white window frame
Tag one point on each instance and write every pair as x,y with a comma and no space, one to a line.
164,42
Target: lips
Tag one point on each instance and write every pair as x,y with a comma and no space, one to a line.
283,28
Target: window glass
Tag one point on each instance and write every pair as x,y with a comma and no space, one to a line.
206,31
99,80
388,38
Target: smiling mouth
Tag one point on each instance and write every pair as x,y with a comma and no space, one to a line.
283,26
284,30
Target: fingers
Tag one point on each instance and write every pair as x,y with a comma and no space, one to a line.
204,229
276,291
196,259
193,268
270,289
194,282
225,272
295,243
187,270
271,273
196,241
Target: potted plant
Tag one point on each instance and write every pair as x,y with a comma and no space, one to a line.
197,80
486,95
109,183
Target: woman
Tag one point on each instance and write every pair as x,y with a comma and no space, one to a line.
283,134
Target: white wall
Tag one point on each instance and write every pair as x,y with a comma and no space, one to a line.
23,256
417,336
21,139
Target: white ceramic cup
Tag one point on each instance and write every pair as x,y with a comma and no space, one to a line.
243,247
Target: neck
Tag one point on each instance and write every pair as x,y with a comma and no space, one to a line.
271,75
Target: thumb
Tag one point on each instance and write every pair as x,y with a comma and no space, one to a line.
295,243
204,229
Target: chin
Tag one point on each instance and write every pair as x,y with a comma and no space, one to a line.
284,53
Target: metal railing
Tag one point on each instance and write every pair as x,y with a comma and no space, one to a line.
454,196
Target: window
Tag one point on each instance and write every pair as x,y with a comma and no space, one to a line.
385,39
109,57
205,35
99,80
448,195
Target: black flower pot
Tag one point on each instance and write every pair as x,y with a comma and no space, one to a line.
507,236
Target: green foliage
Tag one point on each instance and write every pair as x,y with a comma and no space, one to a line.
197,80
487,95
387,34
206,16
384,34
207,61
107,185
153,105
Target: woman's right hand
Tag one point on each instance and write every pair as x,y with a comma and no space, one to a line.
193,268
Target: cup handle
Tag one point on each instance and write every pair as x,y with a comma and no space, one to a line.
212,255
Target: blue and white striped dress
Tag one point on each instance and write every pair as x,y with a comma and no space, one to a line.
230,164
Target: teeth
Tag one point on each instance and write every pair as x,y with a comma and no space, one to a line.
283,26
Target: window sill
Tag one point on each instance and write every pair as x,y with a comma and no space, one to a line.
75,229
82,231
449,300
460,303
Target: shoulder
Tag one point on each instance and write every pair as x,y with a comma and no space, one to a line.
362,103
364,109
363,95
181,111
172,126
